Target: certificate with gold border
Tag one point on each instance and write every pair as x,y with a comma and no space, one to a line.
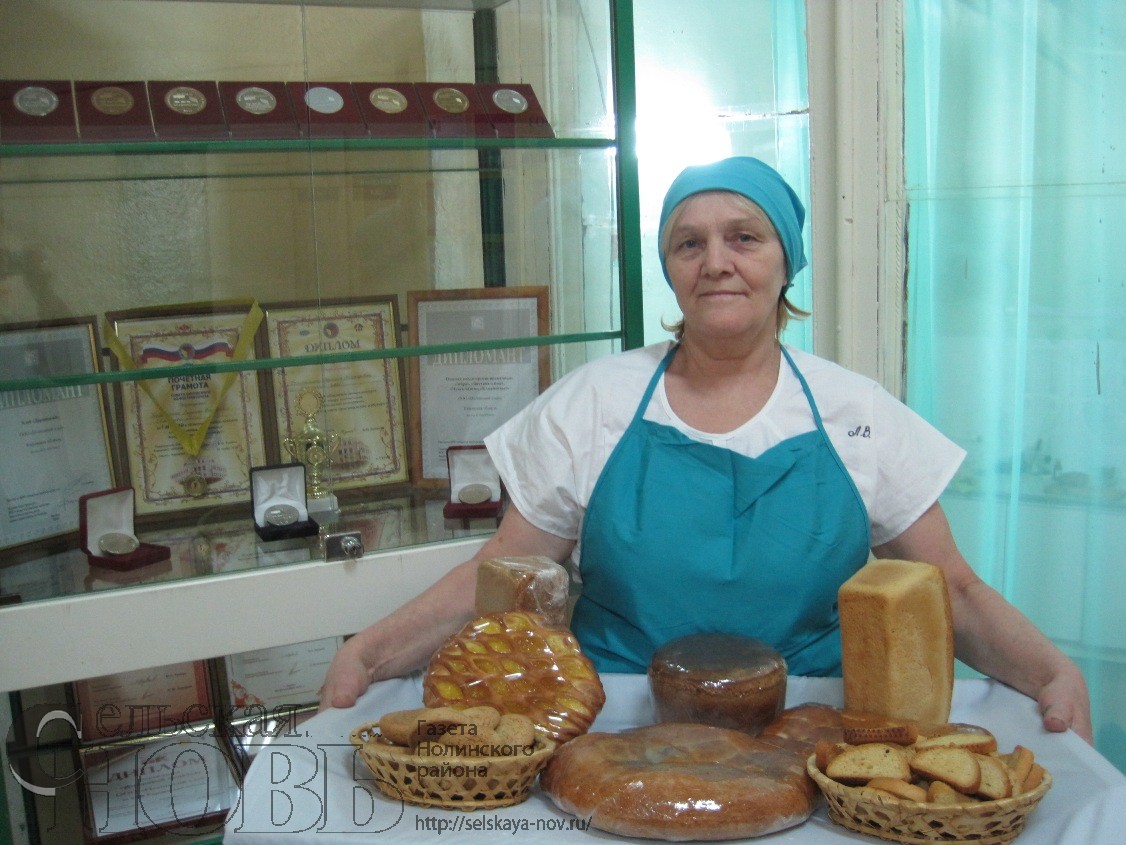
145,701
363,400
189,439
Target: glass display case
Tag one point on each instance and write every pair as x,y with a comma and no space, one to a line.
335,241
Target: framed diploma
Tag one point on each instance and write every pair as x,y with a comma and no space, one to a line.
212,546
148,701
56,440
275,677
178,785
458,397
362,407
189,439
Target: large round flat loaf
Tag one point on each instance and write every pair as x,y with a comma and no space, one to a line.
800,728
680,782
516,663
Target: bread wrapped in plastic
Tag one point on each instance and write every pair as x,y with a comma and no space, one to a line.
724,680
680,782
532,583
517,664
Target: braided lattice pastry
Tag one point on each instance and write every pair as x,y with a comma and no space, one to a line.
515,663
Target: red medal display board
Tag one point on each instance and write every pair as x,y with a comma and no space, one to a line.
37,111
113,111
187,111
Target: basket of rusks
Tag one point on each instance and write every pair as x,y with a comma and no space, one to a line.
499,697
472,758
942,783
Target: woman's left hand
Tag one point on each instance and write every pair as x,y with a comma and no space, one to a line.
992,636
1064,704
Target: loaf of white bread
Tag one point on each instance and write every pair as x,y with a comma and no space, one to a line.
530,583
897,641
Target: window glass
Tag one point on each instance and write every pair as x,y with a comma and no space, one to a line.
727,79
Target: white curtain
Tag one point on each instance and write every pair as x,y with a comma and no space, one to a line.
1016,171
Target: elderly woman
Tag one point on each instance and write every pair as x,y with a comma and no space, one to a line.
722,482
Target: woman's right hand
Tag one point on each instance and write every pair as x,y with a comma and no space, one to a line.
404,641
347,678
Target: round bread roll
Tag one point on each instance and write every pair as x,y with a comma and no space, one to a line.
516,663
724,680
679,782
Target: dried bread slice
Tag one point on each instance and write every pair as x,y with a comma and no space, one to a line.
858,764
517,730
442,724
995,781
401,726
825,750
859,727
482,742
943,793
1034,779
954,766
978,742
899,788
1019,761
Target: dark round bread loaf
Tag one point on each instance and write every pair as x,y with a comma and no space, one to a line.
723,680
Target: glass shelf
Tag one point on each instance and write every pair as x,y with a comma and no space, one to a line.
222,542
26,164
119,376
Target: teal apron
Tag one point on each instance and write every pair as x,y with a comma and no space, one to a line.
682,537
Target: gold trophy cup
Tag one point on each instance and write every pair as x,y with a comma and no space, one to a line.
311,446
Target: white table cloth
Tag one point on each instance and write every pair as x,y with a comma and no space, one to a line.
314,789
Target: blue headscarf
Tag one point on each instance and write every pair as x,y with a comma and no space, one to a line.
758,182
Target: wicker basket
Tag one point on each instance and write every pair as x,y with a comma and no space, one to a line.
463,783
866,811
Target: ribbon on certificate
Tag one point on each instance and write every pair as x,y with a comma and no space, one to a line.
191,441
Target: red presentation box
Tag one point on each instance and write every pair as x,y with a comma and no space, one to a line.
109,514
37,111
392,110
514,110
185,111
327,110
455,110
113,111
471,469
258,110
